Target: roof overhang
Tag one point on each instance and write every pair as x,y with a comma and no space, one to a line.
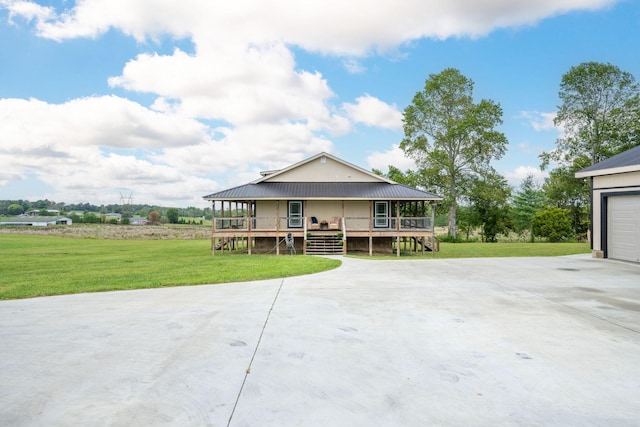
610,171
322,191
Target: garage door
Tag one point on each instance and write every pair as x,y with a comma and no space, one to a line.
623,228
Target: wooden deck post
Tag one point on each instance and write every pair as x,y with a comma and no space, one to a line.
398,228
433,229
370,227
249,214
277,227
213,228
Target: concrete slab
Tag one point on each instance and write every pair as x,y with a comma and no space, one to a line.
517,341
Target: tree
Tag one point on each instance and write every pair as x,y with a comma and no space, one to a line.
154,217
450,137
527,201
173,216
15,209
563,190
552,223
489,209
600,114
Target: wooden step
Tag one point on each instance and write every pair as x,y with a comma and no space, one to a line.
324,245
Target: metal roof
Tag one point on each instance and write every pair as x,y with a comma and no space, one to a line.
627,161
322,191
34,219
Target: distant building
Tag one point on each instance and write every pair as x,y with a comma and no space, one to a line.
37,221
138,221
36,212
108,217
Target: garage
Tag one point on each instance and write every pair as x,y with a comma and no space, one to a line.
623,225
615,206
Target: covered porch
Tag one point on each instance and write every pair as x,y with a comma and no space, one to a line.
352,226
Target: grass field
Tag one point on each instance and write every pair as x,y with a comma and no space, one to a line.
37,265
32,266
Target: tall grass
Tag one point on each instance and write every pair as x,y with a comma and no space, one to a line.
33,266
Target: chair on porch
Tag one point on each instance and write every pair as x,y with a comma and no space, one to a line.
334,224
315,225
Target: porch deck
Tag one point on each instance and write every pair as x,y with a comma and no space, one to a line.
249,228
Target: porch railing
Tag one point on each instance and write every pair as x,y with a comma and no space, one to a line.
271,223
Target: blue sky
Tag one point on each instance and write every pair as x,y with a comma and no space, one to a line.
169,103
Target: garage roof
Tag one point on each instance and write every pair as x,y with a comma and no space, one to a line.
627,161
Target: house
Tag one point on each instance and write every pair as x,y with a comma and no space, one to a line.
136,220
615,206
37,221
326,205
109,216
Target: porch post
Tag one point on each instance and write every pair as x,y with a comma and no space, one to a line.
277,227
370,227
222,224
398,228
249,214
433,229
213,227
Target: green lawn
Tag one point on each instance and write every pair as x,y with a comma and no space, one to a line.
498,250
33,266
493,250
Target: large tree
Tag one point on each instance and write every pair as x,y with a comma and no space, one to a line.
450,137
599,112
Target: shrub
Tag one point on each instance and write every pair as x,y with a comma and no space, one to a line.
552,223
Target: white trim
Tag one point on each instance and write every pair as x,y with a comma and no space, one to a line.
295,221
383,220
609,171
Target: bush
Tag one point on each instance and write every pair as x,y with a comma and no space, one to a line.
552,223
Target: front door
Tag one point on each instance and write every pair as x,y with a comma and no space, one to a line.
295,214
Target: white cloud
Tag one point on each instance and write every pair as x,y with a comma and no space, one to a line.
331,26
94,148
394,157
515,177
353,66
373,112
242,74
540,121
27,10
240,86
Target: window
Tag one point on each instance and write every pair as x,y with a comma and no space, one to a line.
381,214
295,214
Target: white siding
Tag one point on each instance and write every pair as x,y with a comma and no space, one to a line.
327,171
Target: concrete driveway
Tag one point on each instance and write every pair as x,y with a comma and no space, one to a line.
473,342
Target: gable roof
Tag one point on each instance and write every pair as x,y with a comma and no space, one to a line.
627,161
272,176
278,185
